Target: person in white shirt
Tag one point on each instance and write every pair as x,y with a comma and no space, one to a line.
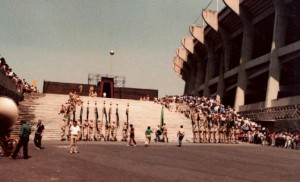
75,133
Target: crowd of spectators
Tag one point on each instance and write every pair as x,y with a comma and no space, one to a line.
21,85
145,98
227,121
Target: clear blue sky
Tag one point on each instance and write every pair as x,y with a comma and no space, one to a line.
64,40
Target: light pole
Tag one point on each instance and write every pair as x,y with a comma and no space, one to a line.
111,53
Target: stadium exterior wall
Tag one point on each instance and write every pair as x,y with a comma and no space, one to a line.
246,56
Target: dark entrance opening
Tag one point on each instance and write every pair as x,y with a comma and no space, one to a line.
106,89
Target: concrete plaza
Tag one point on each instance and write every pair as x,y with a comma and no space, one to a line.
99,161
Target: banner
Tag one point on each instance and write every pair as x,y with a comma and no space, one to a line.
162,117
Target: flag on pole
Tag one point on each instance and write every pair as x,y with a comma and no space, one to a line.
96,116
162,117
104,112
81,112
117,117
109,114
127,116
87,111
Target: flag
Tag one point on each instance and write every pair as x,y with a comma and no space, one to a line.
127,116
87,112
104,113
96,117
81,112
198,121
34,83
162,117
117,117
96,114
109,115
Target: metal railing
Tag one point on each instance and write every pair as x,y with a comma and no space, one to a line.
289,112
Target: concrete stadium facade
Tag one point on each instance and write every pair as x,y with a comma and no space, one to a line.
246,56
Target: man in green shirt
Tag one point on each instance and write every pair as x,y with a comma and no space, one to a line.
25,131
148,133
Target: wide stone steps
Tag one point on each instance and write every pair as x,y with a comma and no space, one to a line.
141,114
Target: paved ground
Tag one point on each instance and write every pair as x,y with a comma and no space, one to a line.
160,162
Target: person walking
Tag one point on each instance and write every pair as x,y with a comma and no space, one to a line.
131,136
180,135
148,133
39,132
25,131
157,134
75,133
165,133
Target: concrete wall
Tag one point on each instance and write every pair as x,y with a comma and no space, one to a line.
121,93
8,89
134,93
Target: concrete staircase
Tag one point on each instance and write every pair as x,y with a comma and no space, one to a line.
141,115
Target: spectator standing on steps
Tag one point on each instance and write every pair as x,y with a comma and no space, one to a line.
39,132
180,135
25,131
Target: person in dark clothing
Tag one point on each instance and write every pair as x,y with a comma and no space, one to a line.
39,131
180,135
25,131
131,136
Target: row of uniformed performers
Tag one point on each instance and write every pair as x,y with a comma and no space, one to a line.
212,122
215,128
92,129
92,132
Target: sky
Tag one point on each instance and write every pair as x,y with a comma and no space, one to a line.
65,40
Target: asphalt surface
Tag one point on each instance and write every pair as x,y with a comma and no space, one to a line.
99,161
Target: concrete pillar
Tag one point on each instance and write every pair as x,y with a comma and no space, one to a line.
178,61
185,78
224,62
227,52
183,54
185,71
211,18
177,70
246,53
234,5
198,33
220,89
189,43
193,76
210,68
279,33
200,78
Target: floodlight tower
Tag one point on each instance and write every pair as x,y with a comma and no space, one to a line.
111,57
